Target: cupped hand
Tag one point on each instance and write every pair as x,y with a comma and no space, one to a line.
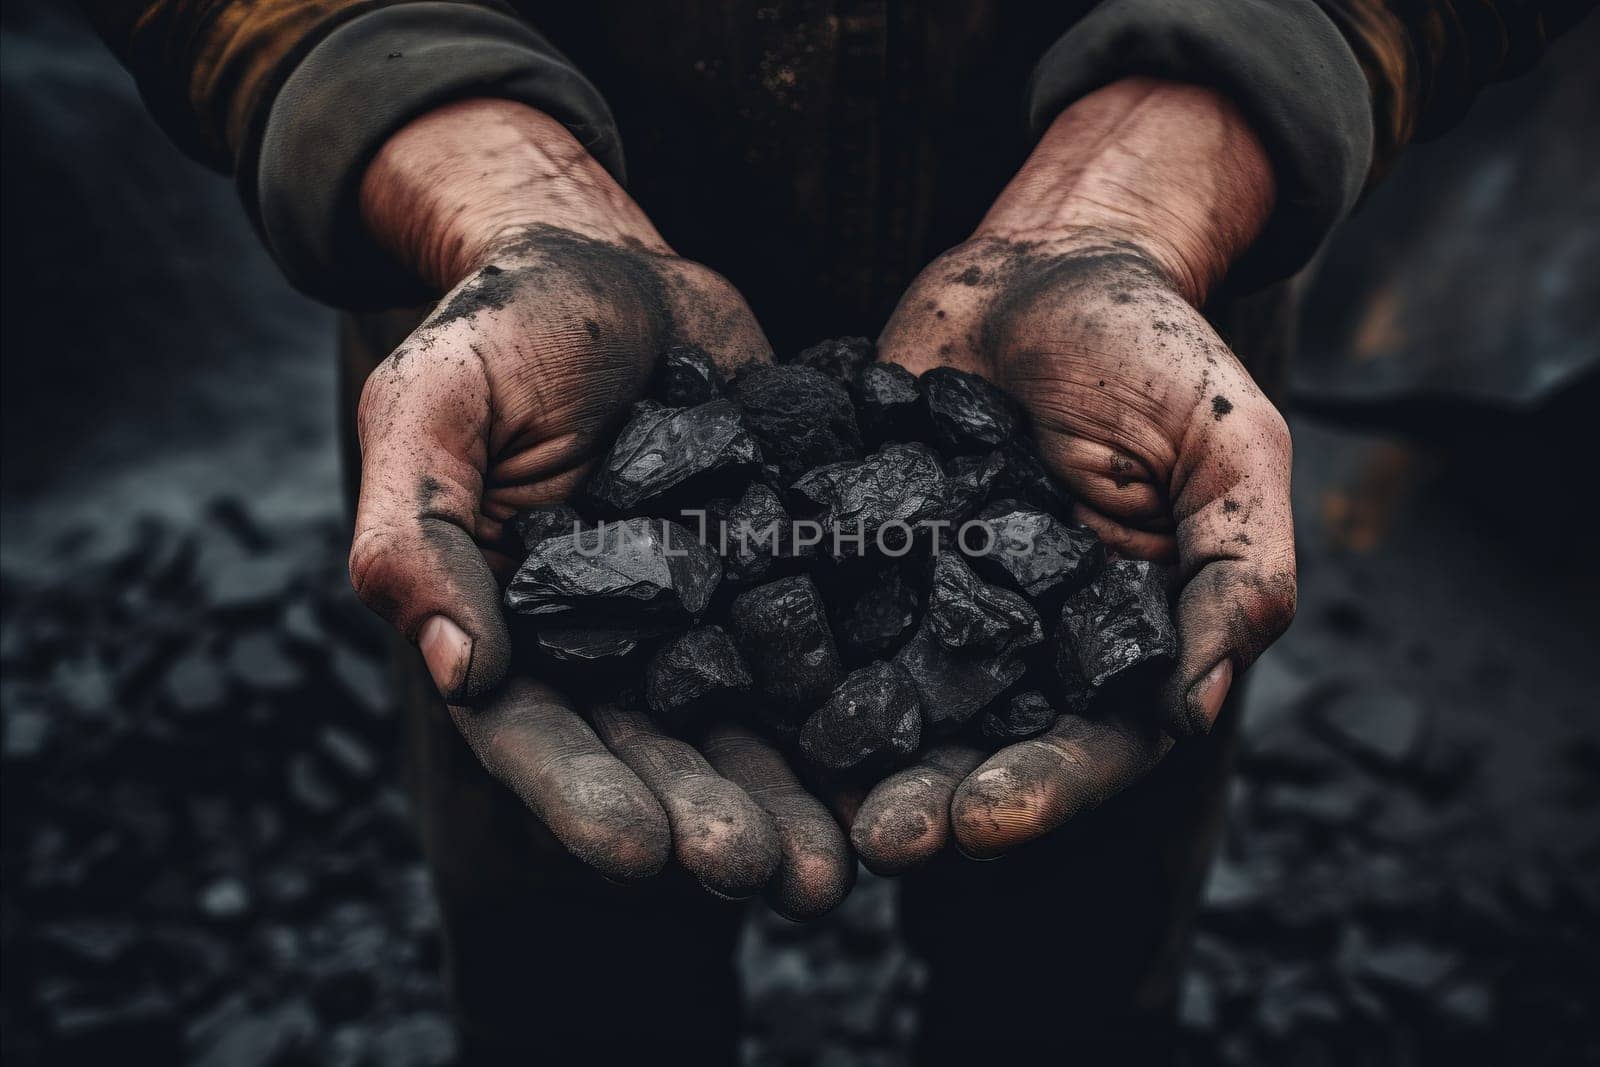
1088,316
560,295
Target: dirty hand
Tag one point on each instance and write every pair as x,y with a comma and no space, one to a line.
559,294
1079,294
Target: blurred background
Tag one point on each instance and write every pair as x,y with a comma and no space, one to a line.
207,860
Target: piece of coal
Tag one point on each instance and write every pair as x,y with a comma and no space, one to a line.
899,483
802,417
687,376
970,480
968,413
751,533
1120,626
617,574
1021,475
888,403
1071,691
783,632
1039,554
969,614
872,720
953,686
585,644
662,448
543,520
1023,716
874,612
696,673
838,357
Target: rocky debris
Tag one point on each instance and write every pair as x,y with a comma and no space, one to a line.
872,721
1023,716
954,686
899,484
662,450
1120,626
967,412
694,674
1045,558
969,614
802,417
752,533
687,376
542,522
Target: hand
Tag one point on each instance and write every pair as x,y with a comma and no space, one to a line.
559,295
1079,294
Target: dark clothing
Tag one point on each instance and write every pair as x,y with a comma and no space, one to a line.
816,153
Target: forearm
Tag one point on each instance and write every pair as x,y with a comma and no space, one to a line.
452,186
1173,169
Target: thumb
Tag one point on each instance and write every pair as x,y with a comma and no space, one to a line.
414,559
1236,550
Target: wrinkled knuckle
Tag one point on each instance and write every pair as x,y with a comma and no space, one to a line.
374,557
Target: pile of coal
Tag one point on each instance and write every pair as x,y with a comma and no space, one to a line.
859,561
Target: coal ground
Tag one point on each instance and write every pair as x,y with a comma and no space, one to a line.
206,857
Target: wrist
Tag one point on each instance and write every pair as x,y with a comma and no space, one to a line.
1172,169
452,187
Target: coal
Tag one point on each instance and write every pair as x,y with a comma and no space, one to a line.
888,403
662,449
753,533
954,686
687,376
898,484
783,632
1020,475
839,358
967,413
1023,716
872,720
617,573
970,482
967,613
802,417
876,611
542,521
1039,554
586,644
693,675
1120,626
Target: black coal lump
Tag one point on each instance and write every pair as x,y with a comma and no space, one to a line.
954,686
1120,626
1021,475
662,448
617,574
968,413
969,614
1023,716
873,612
801,417
783,633
900,483
751,533
687,376
970,481
888,403
872,720
586,644
694,674
534,524
838,357
1039,554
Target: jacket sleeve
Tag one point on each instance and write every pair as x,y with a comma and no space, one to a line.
294,97
1334,88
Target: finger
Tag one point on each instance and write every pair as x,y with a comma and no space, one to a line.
905,820
422,422
531,740
1236,554
817,868
1030,788
719,834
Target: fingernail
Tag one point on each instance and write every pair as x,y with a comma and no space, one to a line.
1207,695
447,651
